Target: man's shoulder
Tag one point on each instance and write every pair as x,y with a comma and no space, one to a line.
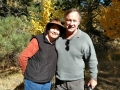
82,33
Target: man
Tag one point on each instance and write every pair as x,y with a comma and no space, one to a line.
38,60
72,47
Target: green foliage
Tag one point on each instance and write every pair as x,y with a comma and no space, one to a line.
14,36
26,2
67,4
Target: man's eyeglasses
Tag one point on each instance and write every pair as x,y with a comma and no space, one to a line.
67,45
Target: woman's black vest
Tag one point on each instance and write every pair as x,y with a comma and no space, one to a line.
41,67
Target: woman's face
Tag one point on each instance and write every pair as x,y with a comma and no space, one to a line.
54,31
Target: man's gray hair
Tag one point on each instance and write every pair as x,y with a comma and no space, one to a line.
73,10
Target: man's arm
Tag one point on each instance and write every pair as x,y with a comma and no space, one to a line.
92,63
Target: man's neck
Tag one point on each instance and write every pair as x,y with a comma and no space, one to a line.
69,35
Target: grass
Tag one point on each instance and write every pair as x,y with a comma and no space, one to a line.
10,79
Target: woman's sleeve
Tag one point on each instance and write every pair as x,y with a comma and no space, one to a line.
28,52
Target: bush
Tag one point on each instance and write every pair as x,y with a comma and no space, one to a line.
14,36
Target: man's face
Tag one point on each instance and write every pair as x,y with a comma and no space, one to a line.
72,20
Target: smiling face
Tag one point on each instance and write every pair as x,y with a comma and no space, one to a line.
72,20
54,31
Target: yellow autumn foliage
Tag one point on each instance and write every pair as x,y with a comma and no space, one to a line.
58,14
48,12
110,19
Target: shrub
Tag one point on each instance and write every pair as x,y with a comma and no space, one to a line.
14,36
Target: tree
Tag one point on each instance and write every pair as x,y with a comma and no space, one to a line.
110,19
67,4
89,10
40,19
14,37
56,8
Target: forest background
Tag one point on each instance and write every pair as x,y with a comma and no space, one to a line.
21,19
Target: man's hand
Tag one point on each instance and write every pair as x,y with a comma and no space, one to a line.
92,83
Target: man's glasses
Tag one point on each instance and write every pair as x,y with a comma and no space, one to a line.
67,45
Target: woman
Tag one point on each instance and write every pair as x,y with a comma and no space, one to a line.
38,60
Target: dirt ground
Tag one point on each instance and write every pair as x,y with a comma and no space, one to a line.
108,77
